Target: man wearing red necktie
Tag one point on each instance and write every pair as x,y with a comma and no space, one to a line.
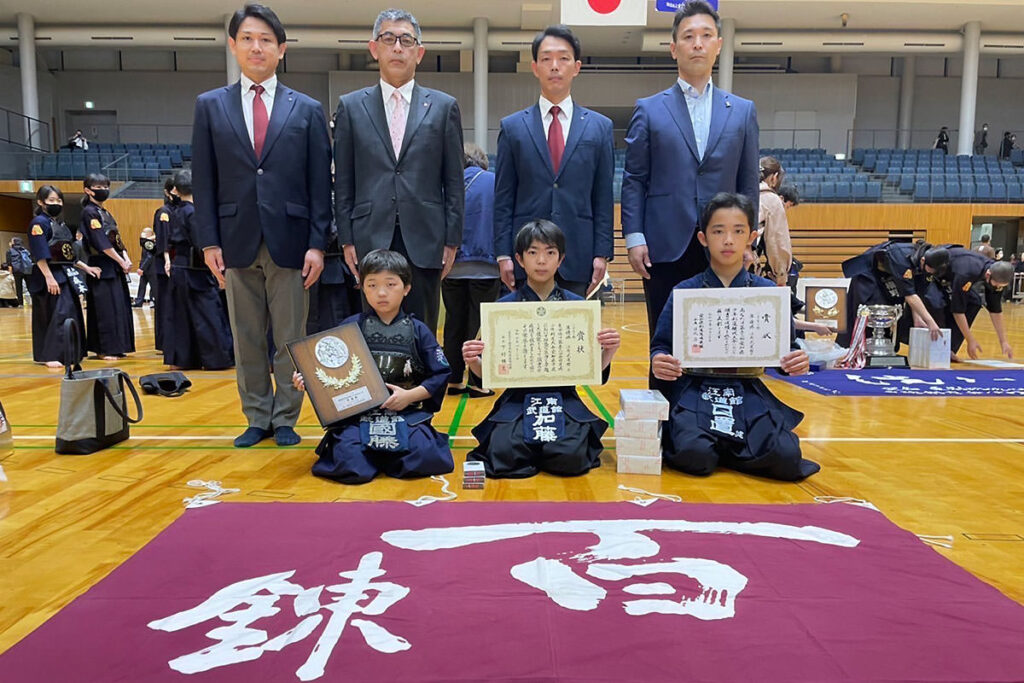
555,161
262,170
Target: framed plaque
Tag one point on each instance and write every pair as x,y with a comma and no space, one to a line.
826,299
540,344
731,328
341,376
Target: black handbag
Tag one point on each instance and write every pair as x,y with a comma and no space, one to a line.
93,403
169,384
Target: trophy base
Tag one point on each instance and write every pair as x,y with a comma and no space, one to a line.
886,362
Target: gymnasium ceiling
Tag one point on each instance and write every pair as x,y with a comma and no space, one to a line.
1003,16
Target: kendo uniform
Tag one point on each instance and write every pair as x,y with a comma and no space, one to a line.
197,334
727,416
955,292
329,300
52,241
161,283
886,273
507,450
407,355
110,326
148,266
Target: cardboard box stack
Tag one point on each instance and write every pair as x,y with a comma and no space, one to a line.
473,476
638,431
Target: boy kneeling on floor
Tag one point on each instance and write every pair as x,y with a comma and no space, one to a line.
760,439
415,370
506,449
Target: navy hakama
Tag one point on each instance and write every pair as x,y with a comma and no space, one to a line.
52,242
110,324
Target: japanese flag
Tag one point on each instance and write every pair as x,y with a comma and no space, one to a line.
604,12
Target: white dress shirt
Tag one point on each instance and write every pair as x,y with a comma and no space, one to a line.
269,90
387,90
564,115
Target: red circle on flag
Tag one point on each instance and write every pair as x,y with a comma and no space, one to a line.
604,6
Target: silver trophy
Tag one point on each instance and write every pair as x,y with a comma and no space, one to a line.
880,347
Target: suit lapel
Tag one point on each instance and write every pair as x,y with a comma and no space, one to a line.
675,102
721,108
576,129
418,109
231,102
373,103
284,102
535,127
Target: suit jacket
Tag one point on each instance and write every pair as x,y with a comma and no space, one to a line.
283,197
665,185
578,198
423,186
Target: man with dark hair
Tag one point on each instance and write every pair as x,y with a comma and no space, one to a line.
683,146
986,247
789,195
262,165
555,161
398,164
981,139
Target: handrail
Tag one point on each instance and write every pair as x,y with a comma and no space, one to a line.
34,130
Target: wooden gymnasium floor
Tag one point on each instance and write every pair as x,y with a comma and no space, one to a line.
935,466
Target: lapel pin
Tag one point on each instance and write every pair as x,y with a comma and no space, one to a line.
728,103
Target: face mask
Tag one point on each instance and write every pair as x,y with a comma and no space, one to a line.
53,210
175,200
100,194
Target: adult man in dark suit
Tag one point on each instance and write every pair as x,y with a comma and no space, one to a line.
261,164
683,146
555,161
398,166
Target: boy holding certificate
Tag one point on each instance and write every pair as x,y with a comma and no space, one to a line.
512,445
726,416
397,438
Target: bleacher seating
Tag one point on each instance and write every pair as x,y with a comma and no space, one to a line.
130,161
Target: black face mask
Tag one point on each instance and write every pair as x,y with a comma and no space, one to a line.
100,194
53,210
175,200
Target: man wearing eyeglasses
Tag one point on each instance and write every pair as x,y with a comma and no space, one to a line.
398,166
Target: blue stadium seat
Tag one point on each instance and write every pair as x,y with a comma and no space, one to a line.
859,191
921,191
828,192
967,190
164,162
64,170
983,192
844,191
907,183
175,155
999,191
49,166
874,191
938,191
1014,192
857,156
954,192
810,191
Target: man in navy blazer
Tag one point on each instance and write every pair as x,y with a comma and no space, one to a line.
683,146
261,165
555,161
398,166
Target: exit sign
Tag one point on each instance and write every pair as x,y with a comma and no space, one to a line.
26,186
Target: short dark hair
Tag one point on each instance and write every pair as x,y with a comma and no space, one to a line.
985,239
396,15
95,179
261,12
1002,272
45,191
183,181
691,9
543,231
728,200
562,32
385,261
789,193
168,184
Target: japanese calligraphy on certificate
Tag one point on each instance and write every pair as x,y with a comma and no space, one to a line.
735,328
540,344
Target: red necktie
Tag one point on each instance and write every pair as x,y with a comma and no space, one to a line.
556,143
259,120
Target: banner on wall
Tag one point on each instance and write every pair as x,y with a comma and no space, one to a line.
604,12
673,5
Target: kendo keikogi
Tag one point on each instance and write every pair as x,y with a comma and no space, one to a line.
400,444
110,325
51,241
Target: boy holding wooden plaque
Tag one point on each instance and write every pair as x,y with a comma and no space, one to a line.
725,415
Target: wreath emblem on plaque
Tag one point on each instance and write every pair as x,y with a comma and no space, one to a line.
332,352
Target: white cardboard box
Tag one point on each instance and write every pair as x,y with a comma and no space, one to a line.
925,353
637,464
639,429
631,446
643,404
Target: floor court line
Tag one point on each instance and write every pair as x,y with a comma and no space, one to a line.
808,439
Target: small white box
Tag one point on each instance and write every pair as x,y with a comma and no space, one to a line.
631,446
473,467
639,429
643,404
925,353
637,464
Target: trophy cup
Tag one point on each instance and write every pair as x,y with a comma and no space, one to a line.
880,347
